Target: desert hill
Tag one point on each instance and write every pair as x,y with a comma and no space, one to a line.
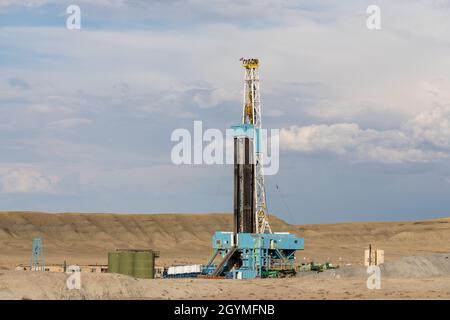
186,238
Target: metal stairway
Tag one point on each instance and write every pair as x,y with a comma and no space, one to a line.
217,272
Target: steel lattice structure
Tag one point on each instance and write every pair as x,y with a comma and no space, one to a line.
251,114
37,256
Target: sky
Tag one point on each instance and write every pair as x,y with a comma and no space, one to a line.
86,115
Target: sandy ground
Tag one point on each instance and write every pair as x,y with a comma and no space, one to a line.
416,254
32,285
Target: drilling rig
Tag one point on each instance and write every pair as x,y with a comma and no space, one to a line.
251,250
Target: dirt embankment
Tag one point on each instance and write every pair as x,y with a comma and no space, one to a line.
186,238
40,285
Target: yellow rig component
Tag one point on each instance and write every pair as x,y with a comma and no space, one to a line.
250,63
249,111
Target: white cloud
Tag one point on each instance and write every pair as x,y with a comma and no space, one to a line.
337,137
38,3
209,98
431,127
366,72
113,70
23,3
425,138
27,180
68,123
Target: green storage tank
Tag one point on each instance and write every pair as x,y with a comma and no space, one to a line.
144,265
126,263
113,262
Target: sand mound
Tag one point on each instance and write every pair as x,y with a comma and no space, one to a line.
437,265
413,267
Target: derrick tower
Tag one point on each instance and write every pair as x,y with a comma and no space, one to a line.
251,250
251,115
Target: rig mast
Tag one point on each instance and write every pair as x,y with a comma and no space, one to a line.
251,250
251,114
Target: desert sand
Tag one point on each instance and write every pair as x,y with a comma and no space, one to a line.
38,285
416,254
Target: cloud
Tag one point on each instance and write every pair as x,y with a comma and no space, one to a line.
39,3
18,83
209,98
431,127
27,180
23,3
138,69
68,123
304,50
425,138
